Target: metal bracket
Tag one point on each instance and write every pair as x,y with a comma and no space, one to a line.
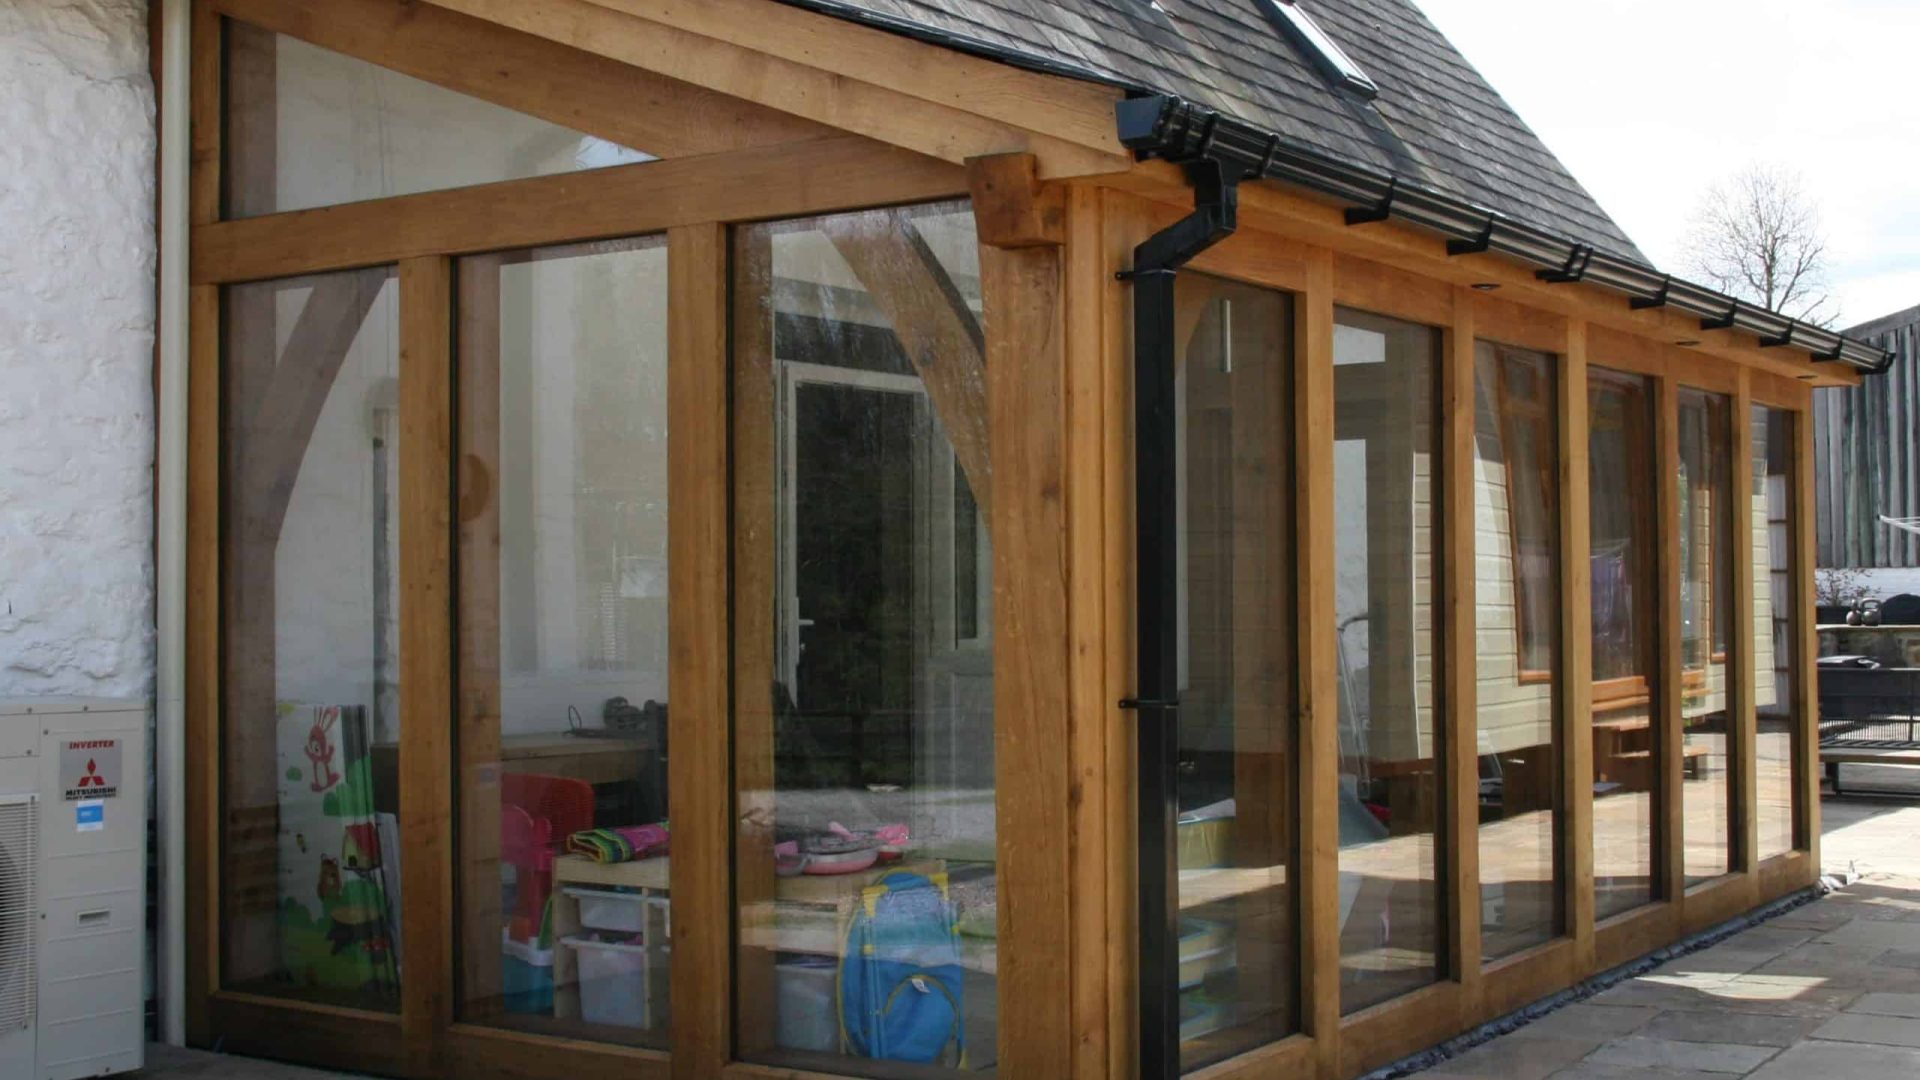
1833,353
1476,244
1657,300
1380,211
1577,262
1722,322
1266,159
1783,340
1208,130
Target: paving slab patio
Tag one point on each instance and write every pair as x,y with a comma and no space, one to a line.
1827,991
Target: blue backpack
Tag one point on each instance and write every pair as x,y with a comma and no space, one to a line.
900,975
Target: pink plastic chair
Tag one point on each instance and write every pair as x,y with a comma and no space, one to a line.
537,814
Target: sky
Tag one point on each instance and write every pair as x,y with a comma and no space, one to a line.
1650,102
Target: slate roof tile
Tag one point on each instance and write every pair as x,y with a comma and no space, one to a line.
1436,120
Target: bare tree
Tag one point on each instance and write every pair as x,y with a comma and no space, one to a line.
1757,236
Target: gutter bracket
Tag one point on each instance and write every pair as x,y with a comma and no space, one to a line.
1474,245
1266,158
1380,211
1785,339
1833,353
1657,300
1155,272
1576,268
1722,322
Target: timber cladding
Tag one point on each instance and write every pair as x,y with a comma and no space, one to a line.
1867,455
1015,346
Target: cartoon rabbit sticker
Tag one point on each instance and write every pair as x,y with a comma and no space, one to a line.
320,749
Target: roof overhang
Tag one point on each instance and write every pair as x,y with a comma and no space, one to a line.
1179,131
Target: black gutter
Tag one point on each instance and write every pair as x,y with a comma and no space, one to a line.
1156,266
1154,124
1169,127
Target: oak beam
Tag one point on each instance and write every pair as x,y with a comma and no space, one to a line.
827,94
533,75
1074,110
838,173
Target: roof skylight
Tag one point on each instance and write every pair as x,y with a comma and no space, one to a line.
1330,56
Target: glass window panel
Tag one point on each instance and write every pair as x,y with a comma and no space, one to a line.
1517,586
866,883
309,127
1775,626
309,474
563,640
1386,449
1236,829
1706,560
1623,556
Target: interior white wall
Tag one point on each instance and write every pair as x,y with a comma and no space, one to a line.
76,348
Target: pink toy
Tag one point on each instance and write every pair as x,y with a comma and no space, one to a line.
320,750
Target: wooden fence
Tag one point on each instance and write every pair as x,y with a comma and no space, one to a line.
1867,455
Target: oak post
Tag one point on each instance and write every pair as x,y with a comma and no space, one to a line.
1024,294
1319,695
698,780
1670,872
1743,754
425,521
1576,644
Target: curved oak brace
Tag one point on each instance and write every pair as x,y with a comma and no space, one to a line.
940,334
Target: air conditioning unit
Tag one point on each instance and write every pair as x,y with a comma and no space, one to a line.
73,849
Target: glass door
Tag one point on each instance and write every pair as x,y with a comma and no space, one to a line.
1218,768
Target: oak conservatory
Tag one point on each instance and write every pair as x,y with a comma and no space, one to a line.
770,539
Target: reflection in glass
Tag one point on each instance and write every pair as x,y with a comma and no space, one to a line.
863,728
1386,448
309,476
1775,626
1517,582
309,127
1621,517
1236,830
563,640
1706,574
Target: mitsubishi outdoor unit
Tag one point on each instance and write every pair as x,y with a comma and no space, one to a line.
73,838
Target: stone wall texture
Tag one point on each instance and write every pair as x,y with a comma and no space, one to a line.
76,348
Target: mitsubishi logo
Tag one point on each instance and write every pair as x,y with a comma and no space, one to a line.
93,777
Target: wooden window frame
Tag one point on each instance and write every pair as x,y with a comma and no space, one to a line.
1513,416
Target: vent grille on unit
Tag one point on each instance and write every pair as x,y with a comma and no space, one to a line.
19,830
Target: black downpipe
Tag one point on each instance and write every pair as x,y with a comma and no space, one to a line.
1156,265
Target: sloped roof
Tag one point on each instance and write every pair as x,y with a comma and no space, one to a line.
1436,121
1885,324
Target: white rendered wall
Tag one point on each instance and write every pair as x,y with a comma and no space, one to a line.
76,348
